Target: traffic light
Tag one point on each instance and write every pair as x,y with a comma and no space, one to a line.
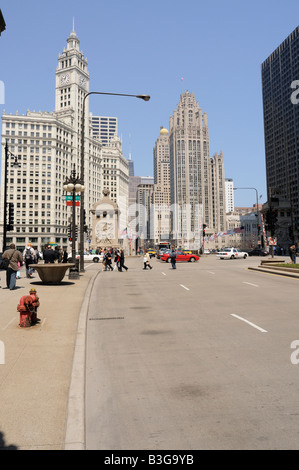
203,230
271,220
11,217
85,227
69,232
76,232
258,229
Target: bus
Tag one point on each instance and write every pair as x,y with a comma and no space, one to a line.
163,245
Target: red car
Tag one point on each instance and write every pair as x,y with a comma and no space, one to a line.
180,256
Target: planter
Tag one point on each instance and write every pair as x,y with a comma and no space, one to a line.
52,273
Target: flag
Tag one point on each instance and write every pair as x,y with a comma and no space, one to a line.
124,233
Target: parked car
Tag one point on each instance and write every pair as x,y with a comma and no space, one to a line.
231,253
180,256
257,252
89,257
187,252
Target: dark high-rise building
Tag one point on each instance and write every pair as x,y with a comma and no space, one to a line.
280,82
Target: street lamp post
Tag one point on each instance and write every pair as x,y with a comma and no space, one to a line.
74,185
15,164
257,206
81,244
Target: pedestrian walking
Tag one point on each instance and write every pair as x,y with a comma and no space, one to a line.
108,264
173,258
146,260
292,252
122,261
14,256
29,258
65,256
117,260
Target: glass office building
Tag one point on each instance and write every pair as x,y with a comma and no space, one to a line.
280,82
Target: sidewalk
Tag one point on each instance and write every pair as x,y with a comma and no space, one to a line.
36,373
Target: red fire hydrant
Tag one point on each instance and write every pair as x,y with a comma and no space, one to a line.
28,309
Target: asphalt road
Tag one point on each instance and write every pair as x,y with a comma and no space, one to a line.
193,358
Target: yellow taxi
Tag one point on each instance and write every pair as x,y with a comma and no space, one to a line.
151,252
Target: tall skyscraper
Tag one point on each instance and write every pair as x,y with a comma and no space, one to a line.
229,195
160,219
193,172
280,75
217,192
144,204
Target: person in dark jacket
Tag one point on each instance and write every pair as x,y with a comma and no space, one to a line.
49,255
173,259
122,261
108,261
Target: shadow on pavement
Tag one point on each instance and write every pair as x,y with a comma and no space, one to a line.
5,447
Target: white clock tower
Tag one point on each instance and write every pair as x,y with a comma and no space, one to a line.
72,84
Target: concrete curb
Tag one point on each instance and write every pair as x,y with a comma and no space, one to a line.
75,423
275,271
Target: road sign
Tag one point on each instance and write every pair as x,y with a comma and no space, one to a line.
70,198
70,203
272,241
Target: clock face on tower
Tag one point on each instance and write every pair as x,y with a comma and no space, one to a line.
82,81
65,79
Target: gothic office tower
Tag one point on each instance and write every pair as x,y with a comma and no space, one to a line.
189,166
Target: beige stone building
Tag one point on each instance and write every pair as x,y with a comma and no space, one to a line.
47,146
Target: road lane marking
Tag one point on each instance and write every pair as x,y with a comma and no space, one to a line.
164,274
211,272
250,284
249,323
184,287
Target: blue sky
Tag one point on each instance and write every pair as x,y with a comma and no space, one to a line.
147,47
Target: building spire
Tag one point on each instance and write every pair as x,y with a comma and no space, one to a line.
73,24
